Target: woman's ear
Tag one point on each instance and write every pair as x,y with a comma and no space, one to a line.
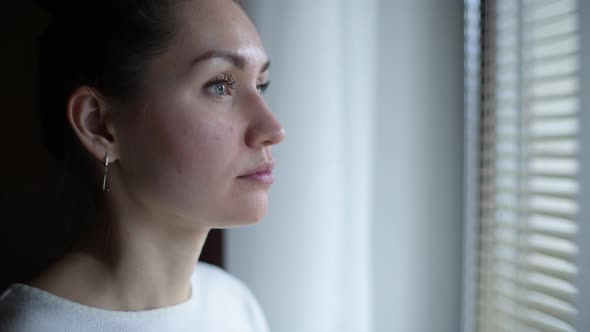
91,121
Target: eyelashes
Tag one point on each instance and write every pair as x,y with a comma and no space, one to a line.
225,83
221,85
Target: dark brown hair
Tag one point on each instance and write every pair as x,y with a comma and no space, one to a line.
103,44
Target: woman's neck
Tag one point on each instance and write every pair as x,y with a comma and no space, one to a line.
142,266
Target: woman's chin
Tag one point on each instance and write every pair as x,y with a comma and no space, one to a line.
253,218
248,210
248,214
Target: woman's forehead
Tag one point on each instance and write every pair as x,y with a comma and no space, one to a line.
216,20
211,26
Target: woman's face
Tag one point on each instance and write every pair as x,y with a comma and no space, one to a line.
202,121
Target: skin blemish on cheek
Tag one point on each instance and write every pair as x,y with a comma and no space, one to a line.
178,169
228,132
187,131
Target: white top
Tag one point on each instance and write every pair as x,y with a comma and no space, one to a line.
219,302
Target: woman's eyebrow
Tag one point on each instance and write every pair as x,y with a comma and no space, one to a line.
236,59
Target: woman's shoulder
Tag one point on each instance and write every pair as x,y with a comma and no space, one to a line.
211,278
224,295
18,304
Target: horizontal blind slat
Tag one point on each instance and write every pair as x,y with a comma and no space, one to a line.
560,311
555,290
559,269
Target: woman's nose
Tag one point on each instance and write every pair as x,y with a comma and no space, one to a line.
264,128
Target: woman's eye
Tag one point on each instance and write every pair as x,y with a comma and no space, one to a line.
221,86
218,89
263,87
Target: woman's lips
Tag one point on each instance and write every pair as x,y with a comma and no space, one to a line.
261,174
265,177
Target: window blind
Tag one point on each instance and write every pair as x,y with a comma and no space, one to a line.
529,164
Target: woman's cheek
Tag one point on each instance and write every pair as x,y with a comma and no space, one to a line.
197,155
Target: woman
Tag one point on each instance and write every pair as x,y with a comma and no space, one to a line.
158,106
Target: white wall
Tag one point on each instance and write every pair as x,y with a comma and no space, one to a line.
419,177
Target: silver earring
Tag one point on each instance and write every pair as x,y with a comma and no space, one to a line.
106,168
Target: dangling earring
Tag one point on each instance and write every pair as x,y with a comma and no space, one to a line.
106,168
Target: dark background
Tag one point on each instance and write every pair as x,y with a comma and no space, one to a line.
32,192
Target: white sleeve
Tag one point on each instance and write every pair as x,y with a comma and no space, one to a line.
257,317
230,304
